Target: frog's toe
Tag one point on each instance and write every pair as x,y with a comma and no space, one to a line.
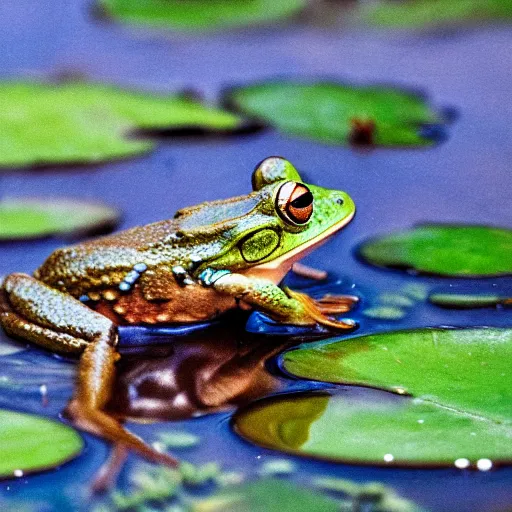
101,424
336,304
318,310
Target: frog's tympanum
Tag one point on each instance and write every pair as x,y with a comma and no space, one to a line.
207,260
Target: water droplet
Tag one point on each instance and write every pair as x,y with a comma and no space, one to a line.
462,463
18,473
388,457
421,421
484,464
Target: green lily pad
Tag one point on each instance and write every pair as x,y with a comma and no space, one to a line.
337,113
435,13
31,443
458,412
267,495
190,15
22,219
443,249
75,122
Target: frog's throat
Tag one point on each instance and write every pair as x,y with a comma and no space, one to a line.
276,269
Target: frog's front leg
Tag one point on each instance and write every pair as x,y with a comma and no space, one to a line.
286,306
35,312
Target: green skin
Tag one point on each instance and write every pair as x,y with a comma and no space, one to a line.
214,257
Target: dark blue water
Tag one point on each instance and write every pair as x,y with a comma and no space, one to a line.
466,179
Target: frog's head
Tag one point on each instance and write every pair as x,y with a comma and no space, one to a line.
281,221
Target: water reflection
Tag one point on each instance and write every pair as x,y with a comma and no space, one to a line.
213,369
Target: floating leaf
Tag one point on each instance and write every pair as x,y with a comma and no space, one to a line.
76,122
268,495
459,380
36,218
468,301
190,15
336,113
444,249
425,13
32,443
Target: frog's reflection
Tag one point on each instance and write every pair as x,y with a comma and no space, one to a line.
215,369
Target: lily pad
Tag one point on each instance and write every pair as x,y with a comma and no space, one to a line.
32,443
77,122
337,113
435,13
267,495
458,409
192,15
22,219
444,249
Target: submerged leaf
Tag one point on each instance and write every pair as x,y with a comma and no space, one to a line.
267,495
444,249
434,13
77,122
32,443
384,312
337,113
35,218
459,380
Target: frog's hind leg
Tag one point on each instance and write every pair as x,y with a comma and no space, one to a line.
35,312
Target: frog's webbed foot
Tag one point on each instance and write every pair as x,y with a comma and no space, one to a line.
31,310
327,305
333,304
285,306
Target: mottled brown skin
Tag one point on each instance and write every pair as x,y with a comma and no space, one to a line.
210,258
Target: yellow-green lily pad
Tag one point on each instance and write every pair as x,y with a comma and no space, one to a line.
455,407
444,249
78,122
435,13
22,219
337,113
190,15
31,444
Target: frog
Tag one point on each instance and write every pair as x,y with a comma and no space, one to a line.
205,261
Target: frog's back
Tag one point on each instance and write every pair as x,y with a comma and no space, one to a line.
104,261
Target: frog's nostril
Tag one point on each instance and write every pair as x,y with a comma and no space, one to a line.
339,201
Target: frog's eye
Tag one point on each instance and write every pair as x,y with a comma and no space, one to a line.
294,203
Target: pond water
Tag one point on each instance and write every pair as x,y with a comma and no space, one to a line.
467,179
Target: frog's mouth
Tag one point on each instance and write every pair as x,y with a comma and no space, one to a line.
276,269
